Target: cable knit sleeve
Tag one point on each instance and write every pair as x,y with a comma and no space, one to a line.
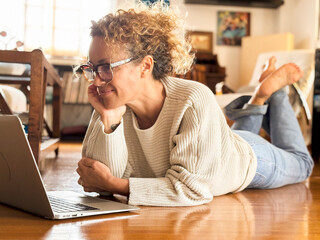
109,149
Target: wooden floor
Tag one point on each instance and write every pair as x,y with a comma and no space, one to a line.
291,212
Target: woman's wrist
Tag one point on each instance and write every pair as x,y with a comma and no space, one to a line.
118,186
111,118
110,126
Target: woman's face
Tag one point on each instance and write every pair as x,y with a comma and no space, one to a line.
125,84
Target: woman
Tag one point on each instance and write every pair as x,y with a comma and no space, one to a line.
164,141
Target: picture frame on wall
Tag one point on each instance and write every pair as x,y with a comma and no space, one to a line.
232,27
201,41
150,2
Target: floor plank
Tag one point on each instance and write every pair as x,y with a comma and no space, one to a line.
291,212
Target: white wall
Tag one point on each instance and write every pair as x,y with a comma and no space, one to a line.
300,17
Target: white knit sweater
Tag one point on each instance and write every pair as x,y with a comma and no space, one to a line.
188,156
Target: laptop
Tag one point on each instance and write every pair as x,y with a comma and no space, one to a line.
21,185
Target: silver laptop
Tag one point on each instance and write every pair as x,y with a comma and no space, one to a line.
21,185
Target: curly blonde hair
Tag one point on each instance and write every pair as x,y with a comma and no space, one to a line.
154,30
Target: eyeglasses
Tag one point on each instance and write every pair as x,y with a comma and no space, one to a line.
103,70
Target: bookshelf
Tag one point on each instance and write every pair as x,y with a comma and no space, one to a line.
76,110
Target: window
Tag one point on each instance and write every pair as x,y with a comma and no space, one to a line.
58,27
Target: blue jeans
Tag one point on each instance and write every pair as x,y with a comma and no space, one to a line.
286,159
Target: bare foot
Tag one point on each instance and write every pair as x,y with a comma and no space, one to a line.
285,75
268,68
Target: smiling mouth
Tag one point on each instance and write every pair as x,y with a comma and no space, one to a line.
102,90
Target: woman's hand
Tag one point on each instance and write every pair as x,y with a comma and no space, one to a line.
97,177
108,116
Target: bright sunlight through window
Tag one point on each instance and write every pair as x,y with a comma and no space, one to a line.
59,27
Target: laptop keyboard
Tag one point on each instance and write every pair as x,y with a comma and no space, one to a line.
60,205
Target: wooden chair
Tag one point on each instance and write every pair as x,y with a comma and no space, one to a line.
42,74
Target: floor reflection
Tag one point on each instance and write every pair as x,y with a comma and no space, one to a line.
282,213
103,227
245,215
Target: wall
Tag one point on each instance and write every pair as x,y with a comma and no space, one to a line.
296,16
300,17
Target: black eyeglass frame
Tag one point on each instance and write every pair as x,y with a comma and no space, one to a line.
81,69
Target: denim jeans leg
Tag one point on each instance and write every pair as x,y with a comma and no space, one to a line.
247,117
275,167
284,129
284,161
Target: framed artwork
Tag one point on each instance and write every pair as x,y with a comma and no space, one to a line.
149,2
232,26
201,41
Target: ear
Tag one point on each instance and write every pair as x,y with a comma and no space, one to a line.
147,65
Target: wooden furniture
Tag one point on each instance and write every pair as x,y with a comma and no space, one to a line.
214,73
197,73
290,212
206,70
42,74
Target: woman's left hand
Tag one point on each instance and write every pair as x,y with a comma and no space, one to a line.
97,177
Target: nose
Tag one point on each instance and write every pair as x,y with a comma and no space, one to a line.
97,81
